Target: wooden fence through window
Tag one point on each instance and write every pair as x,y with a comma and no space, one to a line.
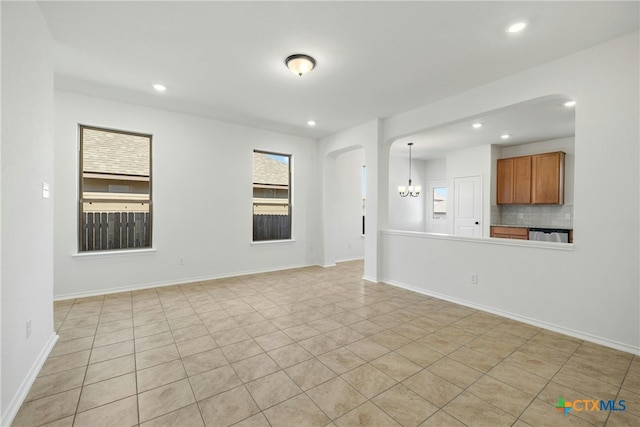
271,227
115,230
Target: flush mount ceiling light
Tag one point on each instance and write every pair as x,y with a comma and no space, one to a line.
410,190
159,87
311,123
476,125
516,27
505,136
570,104
300,64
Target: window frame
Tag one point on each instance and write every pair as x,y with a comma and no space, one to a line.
289,198
80,169
363,185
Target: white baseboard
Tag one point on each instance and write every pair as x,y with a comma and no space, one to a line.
181,281
13,407
534,322
370,279
357,258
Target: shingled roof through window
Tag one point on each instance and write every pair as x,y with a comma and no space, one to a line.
115,153
267,170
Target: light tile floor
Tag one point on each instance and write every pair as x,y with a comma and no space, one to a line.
314,347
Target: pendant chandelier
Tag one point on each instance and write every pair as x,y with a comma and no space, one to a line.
409,190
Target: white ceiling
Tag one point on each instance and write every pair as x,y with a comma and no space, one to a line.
540,119
225,60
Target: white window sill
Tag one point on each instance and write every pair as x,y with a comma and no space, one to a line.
113,253
268,242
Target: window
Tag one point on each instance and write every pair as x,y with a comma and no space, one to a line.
115,190
364,194
271,196
439,201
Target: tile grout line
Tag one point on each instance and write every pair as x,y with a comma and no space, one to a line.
228,363
324,293
84,378
135,359
197,402
549,381
620,389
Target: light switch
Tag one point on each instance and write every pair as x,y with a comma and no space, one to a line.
45,190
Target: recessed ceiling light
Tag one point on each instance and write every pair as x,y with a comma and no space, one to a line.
311,123
476,125
505,136
159,87
570,104
517,27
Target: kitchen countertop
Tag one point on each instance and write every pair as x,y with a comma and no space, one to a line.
531,226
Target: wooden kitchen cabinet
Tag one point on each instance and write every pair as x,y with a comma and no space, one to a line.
514,181
547,178
520,233
537,179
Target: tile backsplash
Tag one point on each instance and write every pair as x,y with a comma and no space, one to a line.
533,215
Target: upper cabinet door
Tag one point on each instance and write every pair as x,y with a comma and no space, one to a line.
547,186
505,173
522,180
514,181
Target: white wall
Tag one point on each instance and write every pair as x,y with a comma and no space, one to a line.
347,214
474,161
496,153
406,213
435,169
27,218
366,136
591,290
202,195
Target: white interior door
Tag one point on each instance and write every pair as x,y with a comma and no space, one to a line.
467,206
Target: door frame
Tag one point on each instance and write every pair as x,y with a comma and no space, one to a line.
480,201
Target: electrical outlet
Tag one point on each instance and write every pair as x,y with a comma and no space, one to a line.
567,216
474,279
520,216
28,328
